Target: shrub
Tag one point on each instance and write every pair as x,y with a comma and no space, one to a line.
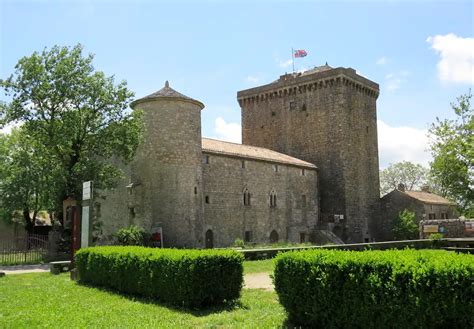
191,278
239,243
376,289
131,236
405,226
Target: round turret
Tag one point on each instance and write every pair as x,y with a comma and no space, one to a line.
168,165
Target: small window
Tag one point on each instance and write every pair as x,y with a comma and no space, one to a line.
292,105
303,108
367,129
206,159
444,215
431,216
248,236
303,172
132,212
303,200
273,199
273,113
246,197
243,164
207,199
275,168
195,190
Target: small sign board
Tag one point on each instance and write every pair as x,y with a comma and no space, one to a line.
430,228
157,237
469,226
85,227
87,190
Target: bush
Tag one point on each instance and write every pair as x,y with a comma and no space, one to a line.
376,289
239,243
405,226
191,278
131,236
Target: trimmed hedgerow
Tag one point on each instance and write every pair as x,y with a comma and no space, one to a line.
376,289
191,278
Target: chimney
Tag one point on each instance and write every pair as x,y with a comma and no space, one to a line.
401,187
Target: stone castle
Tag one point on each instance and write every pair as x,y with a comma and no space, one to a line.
308,163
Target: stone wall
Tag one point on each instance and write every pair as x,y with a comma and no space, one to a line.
327,118
449,228
225,179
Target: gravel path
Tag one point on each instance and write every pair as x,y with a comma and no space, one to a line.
258,281
21,269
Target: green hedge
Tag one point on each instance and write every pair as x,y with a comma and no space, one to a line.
377,289
191,278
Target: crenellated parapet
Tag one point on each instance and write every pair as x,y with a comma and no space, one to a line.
299,83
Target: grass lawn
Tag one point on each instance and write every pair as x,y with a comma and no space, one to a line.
259,266
45,300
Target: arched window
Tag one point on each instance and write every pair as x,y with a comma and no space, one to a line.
209,239
274,236
273,199
246,197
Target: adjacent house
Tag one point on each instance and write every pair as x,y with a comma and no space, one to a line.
424,204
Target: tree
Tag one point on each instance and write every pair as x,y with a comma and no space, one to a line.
452,147
405,227
75,117
412,176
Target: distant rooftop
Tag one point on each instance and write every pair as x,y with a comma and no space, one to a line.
166,93
428,197
252,152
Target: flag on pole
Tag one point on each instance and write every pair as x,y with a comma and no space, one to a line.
300,53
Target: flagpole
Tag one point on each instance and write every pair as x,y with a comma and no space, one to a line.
293,59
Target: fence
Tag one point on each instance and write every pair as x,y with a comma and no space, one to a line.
31,249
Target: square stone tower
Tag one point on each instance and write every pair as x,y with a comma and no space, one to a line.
326,116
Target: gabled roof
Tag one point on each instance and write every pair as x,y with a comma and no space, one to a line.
166,93
428,197
251,152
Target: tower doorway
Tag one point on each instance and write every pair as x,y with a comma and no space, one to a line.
209,239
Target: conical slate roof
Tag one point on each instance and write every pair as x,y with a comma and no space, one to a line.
167,93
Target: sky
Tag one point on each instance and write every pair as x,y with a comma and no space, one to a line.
421,53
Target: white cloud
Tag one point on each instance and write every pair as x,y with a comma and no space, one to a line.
286,63
228,131
382,60
253,79
456,62
402,143
7,129
395,80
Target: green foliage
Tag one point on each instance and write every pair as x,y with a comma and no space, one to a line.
405,226
192,278
42,300
452,147
412,176
239,243
131,236
76,120
376,289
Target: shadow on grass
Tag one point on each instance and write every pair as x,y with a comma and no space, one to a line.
198,312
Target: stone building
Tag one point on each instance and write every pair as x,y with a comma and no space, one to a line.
308,163
325,116
425,205
207,193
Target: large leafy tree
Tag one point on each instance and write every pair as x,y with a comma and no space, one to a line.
75,118
412,176
452,147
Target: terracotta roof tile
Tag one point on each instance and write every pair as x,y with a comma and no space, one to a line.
428,197
252,152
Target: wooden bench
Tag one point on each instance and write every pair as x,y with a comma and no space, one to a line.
59,267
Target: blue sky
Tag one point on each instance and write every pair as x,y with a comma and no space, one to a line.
420,52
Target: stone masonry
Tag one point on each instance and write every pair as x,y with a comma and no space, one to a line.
325,116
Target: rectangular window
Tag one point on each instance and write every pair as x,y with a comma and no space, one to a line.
292,105
444,215
207,199
132,212
195,190
431,216
206,159
303,200
248,236
275,168
303,173
243,164
302,237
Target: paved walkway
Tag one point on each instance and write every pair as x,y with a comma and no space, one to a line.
258,281
251,281
21,269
